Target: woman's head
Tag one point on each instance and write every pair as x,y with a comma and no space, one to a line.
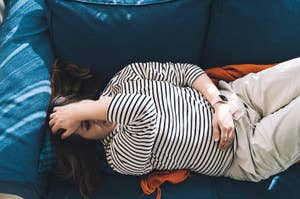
77,160
88,129
76,157
69,79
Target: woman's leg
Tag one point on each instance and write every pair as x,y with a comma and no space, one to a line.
9,196
2,6
271,89
272,147
275,143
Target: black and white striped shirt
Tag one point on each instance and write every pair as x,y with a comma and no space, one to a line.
164,124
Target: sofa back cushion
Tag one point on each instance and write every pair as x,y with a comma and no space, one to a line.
106,35
25,57
253,31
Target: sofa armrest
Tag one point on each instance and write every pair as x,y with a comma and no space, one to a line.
25,60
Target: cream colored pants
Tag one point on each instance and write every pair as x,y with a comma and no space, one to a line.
268,129
9,196
2,6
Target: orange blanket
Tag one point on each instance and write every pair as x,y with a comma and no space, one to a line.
231,72
227,73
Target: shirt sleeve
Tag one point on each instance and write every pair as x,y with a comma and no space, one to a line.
179,74
129,150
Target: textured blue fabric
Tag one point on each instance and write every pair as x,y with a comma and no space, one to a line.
253,31
196,187
116,186
25,57
106,35
47,160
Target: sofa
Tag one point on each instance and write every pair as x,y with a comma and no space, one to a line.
106,35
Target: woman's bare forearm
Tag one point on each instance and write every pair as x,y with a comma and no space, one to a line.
93,109
206,87
96,109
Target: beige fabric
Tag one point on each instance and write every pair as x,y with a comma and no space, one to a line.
2,6
9,196
269,130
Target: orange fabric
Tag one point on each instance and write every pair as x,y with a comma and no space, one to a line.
231,72
154,180
227,73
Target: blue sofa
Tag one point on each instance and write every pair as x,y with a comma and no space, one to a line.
105,35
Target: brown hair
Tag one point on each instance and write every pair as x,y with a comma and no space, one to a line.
76,157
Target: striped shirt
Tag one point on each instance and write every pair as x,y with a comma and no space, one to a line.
164,124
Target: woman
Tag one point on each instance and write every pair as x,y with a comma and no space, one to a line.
166,116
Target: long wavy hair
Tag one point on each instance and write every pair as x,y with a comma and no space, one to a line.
76,157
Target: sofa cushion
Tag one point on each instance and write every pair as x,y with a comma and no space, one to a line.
48,159
106,35
195,187
253,32
25,56
284,185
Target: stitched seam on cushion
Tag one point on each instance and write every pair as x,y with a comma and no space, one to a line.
216,5
111,3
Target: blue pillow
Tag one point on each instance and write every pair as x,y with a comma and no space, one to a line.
48,159
106,35
253,31
25,57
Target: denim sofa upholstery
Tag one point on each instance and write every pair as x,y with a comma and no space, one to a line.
107,35
255,31
197,186
25,59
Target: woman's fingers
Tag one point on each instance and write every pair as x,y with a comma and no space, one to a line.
216,133
56,108
225,123
55,128
52,115
228,138
66,134
232,136
51,123
224,138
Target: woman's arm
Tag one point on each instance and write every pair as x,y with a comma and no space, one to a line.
69,117
133,110
129,151
223,125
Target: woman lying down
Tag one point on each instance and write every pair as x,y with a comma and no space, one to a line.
168,116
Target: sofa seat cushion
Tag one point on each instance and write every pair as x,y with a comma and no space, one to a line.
284,185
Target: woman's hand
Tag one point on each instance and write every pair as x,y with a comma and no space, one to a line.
65,117
223,125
